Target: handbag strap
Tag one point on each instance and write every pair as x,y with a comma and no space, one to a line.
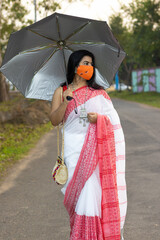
58,151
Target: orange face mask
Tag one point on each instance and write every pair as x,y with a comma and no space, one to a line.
85,71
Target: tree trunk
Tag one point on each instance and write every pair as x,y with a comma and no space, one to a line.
4,88
128,71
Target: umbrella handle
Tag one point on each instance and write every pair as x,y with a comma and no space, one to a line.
69,98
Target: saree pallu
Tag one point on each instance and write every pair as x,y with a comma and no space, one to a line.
95,193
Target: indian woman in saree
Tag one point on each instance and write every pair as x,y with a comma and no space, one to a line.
94,152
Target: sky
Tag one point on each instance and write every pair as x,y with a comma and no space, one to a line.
98,9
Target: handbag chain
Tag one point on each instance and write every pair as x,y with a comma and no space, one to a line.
58,151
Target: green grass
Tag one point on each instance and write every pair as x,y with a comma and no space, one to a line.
149,98
16,141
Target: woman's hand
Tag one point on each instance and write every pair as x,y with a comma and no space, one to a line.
66,93
92,117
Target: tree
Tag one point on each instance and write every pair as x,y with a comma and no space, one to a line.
144,24
12,14
124,37
140,37
48,6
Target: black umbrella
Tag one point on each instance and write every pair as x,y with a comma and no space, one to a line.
36,56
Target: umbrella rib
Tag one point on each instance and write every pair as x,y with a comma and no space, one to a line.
89,43
58,28
46,60
99,43
38,49
77,30
42,35
60,39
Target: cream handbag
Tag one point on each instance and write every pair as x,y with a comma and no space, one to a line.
60,171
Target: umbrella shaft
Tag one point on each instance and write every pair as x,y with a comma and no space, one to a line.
35,10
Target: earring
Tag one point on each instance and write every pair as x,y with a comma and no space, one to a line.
75,71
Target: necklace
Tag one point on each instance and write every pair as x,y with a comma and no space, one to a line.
82,112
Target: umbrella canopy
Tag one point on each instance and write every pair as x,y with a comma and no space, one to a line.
36,56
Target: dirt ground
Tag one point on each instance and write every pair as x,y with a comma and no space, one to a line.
22,110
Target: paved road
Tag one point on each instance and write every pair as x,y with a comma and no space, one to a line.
31,205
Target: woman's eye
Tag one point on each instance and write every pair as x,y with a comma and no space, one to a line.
87,63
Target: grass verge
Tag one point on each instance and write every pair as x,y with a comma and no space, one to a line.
16,141
149,98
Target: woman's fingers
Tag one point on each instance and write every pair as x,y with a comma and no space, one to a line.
92,117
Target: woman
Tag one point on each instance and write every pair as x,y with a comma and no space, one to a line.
94,152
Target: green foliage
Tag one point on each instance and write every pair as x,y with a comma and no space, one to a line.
144,25
140,37
13,14
124,37
17,140
47,7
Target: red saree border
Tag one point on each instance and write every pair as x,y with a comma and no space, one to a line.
107,166
86,227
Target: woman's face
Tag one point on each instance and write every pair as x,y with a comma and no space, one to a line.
86,60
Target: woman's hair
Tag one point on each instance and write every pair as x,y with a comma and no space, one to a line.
74,61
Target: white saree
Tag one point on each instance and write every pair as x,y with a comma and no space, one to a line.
87,204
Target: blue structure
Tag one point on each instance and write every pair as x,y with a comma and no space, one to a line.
117,80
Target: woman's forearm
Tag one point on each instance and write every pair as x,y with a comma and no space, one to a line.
57,116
